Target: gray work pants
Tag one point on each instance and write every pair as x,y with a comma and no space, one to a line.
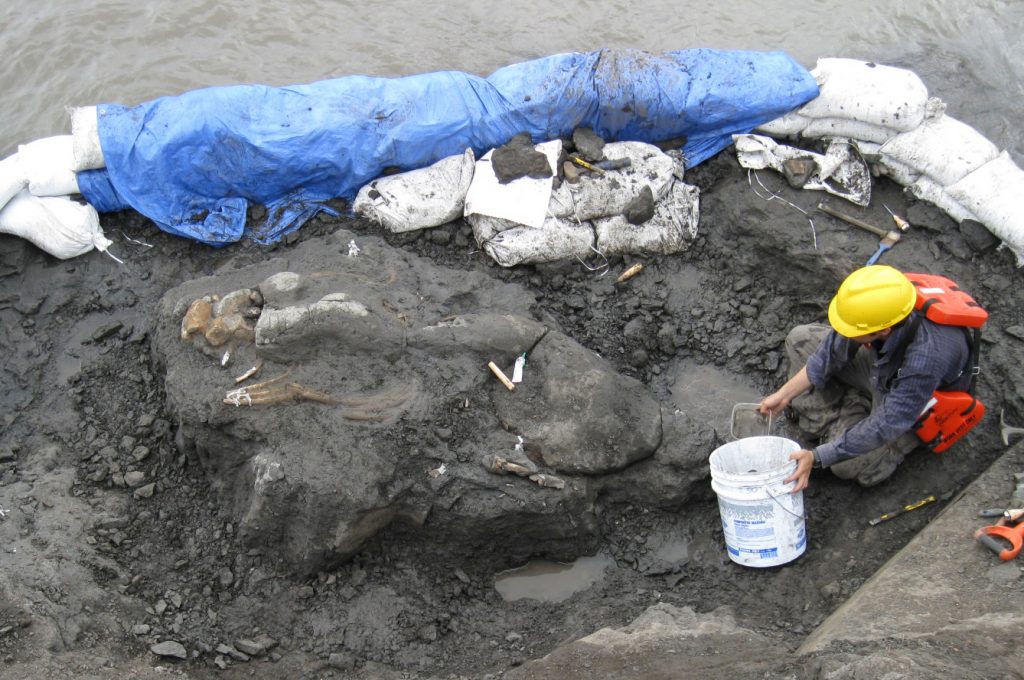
846,400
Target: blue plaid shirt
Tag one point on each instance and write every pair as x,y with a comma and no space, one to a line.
936,356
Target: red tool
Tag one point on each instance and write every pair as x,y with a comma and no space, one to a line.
1012,533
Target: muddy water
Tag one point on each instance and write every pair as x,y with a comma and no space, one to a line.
552,581
58,54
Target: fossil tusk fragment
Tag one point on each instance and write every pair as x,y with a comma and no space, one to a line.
630,273
250,373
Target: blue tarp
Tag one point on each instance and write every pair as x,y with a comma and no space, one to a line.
195,162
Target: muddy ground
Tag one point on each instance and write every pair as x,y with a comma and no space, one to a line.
95,571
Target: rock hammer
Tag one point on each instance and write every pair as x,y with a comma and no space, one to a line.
888,238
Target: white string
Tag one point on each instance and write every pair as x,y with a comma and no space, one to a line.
605,266
772,195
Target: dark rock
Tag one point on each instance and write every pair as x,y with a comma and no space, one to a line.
977,236
587,417
589,145
518,158
641,208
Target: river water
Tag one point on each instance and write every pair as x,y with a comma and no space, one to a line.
59,54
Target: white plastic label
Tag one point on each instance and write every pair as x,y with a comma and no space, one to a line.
517,370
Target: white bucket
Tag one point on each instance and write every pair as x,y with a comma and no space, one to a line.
763,522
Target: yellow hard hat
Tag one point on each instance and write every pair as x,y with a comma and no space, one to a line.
871,299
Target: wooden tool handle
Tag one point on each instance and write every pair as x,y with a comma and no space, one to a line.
853,220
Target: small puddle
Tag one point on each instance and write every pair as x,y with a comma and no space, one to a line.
551,581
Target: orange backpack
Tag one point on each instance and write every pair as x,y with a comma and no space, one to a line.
950,415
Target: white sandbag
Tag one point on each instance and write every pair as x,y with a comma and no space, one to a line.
672,229
49,165
936,194
523,200
555,240
85,134
597,195
993,193
12,178
818,128
882,96
486,227
57,225
789,125
944,149
418,199
794,125
898,172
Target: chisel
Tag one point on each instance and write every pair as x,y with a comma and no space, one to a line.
906,508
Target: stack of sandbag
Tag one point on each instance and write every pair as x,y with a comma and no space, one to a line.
36,186
952,165
888,113
541,217
530,221
858,100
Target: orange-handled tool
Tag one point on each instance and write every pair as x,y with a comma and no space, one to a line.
988,536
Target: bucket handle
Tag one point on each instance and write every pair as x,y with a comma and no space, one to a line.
776,499
747,407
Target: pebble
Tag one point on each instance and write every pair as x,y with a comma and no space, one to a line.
104,332
146,491
134,478
1015,331
251,647
341,661
169,648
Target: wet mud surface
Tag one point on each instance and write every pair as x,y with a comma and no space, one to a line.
114,539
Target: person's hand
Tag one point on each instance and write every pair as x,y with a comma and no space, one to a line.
773,404
802,476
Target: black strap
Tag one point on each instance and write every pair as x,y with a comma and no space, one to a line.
974,366
897,356
972,335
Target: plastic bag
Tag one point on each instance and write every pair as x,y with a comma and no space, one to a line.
841,171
